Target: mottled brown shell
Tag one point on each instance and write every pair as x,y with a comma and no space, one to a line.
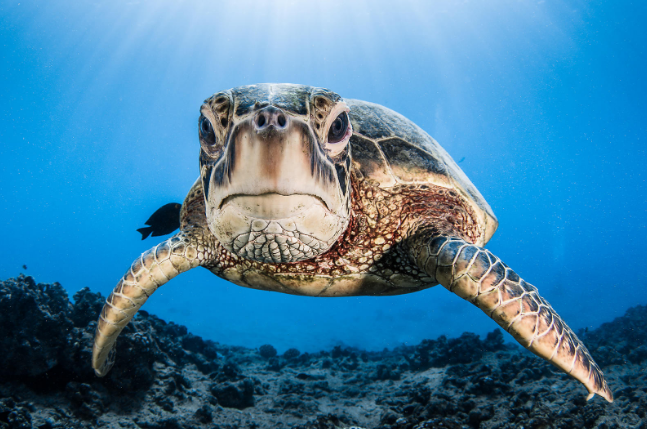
389,149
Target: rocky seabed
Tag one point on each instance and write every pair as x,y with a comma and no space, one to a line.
167,378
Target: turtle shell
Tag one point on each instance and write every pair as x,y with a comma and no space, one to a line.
390,149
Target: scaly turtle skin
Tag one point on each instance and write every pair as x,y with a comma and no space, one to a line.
304,193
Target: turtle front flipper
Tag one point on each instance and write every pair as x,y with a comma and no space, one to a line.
150,271
475,274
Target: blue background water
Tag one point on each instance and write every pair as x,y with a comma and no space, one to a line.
546,101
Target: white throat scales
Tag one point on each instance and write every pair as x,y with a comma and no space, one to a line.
308,233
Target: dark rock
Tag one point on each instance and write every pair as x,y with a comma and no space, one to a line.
352,392
339,351
37,318
478,415
267,351
274,364
617,340
86,401
239,395
311,376
168,378
174,383
171,423
87,305
439,424
204,414
13,415
164,403
291,354
638,355
291,386
384,372
321,386
230,371
465,349
329,421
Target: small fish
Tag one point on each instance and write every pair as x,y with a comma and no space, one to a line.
461,160
164,221
24,267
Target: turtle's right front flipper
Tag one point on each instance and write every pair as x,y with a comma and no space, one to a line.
150,271
475,274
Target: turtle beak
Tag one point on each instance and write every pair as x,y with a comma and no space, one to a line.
274,153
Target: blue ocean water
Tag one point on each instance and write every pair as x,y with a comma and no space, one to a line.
545,103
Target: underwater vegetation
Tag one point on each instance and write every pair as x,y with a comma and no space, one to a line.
170,378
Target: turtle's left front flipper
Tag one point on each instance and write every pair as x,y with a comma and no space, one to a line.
150,271
475,274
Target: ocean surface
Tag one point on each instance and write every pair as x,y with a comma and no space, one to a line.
543,103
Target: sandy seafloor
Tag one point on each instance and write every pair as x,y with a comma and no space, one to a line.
167,378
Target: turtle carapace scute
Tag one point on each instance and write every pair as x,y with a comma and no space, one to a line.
303,192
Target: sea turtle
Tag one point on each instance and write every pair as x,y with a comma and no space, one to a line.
303,192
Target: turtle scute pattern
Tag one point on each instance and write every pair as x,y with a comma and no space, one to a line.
151,270
390,149
478,276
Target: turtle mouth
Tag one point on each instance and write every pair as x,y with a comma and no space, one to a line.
276,228
273,205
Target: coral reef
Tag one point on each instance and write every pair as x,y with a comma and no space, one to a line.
165,377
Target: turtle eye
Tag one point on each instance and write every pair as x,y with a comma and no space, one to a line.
338,128
206,131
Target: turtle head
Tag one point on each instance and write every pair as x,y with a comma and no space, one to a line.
274,163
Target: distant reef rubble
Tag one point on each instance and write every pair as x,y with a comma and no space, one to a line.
167,378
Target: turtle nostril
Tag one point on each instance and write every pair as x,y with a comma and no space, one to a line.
270,118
